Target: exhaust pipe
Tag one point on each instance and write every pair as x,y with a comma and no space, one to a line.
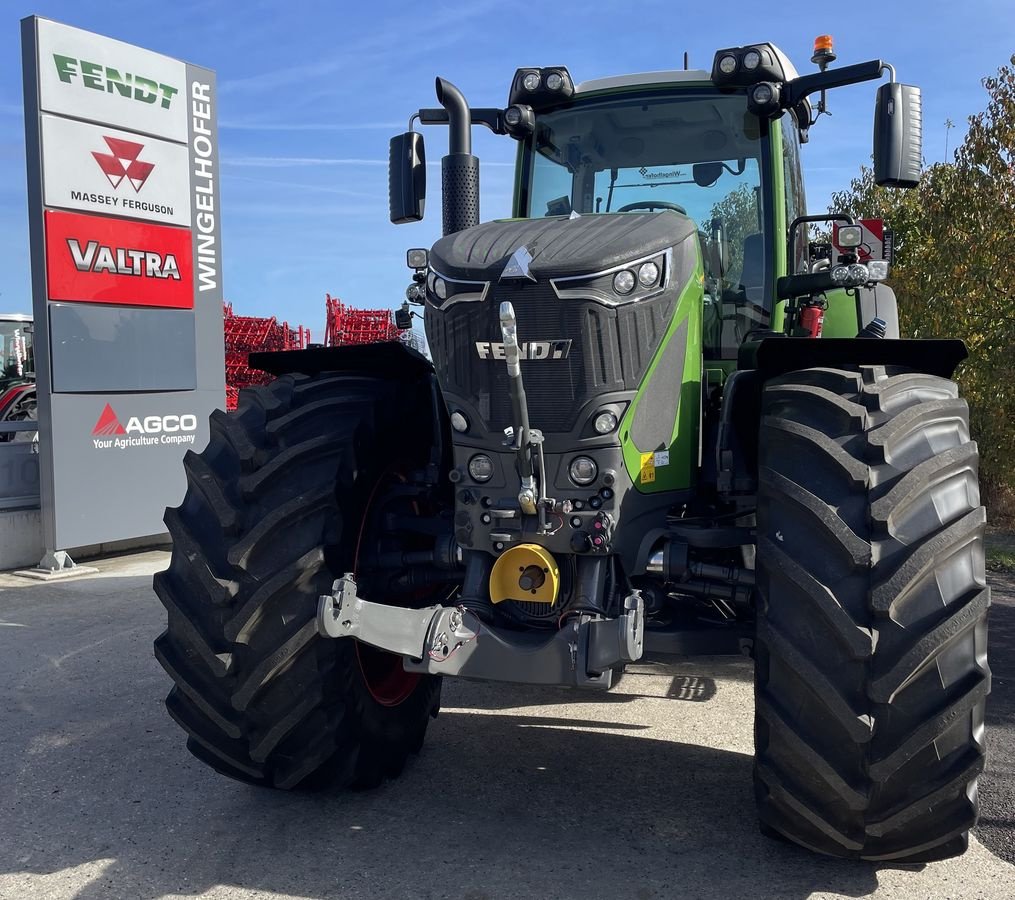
459,169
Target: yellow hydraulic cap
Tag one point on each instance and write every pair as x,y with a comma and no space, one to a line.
527,572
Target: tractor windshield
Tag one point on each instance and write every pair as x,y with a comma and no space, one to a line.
700,153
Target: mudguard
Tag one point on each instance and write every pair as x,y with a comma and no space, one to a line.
391,358
777,355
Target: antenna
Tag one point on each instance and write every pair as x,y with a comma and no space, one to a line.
686,62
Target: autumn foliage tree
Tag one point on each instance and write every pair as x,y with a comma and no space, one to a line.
954,274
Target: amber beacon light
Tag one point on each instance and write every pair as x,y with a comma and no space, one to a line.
824,52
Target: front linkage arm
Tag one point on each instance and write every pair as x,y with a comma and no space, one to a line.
450,640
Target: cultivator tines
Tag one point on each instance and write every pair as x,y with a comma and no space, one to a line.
347,325
252,334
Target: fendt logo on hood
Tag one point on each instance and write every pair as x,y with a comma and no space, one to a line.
529,349
110,433
122,162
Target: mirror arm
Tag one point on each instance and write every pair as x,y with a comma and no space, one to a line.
491,117
796,90
802,220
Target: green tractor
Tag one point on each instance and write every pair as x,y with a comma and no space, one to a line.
660,421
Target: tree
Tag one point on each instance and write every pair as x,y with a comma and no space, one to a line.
738,211
955,266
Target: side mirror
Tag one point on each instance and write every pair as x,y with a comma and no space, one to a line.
706,174
406,177
898,135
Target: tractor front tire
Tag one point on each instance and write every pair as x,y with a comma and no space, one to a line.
871,669
272,512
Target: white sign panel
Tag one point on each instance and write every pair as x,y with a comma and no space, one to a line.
93,77
98,169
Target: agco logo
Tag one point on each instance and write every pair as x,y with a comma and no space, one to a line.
122,162
141,431
529,349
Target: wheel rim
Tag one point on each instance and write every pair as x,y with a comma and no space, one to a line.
388,683
383,674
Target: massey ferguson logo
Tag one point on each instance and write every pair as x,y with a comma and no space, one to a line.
96,257
529,350
110,433
122,162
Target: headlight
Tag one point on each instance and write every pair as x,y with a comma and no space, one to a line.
752,59
629,283
481,468
583,470
445,291
839,274
416,258
849,236
623,282
459,422
878,269
858,273
647,274
531,81
605,422
554,81
728,64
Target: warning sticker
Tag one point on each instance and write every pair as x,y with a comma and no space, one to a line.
662,458
648,468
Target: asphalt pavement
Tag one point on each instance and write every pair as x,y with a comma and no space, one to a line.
644,792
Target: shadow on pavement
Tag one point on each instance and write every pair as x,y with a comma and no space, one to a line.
997,785
102,800
680,680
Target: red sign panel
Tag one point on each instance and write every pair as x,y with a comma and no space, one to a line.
103,260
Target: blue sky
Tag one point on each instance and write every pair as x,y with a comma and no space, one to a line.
310,93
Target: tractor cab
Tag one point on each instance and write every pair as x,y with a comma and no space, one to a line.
722,148
672,141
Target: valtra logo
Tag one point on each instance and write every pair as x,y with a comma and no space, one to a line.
105,260
122,162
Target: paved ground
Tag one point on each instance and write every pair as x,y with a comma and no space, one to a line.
641,793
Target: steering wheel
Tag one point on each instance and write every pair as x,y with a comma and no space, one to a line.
653,204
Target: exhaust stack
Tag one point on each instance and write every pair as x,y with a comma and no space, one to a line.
459,169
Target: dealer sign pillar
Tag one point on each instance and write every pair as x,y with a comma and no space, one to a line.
123,206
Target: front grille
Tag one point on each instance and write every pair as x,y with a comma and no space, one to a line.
610,351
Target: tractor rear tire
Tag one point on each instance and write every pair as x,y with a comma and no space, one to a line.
871,669
272,512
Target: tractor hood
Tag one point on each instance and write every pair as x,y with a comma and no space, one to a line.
582,340
558,246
